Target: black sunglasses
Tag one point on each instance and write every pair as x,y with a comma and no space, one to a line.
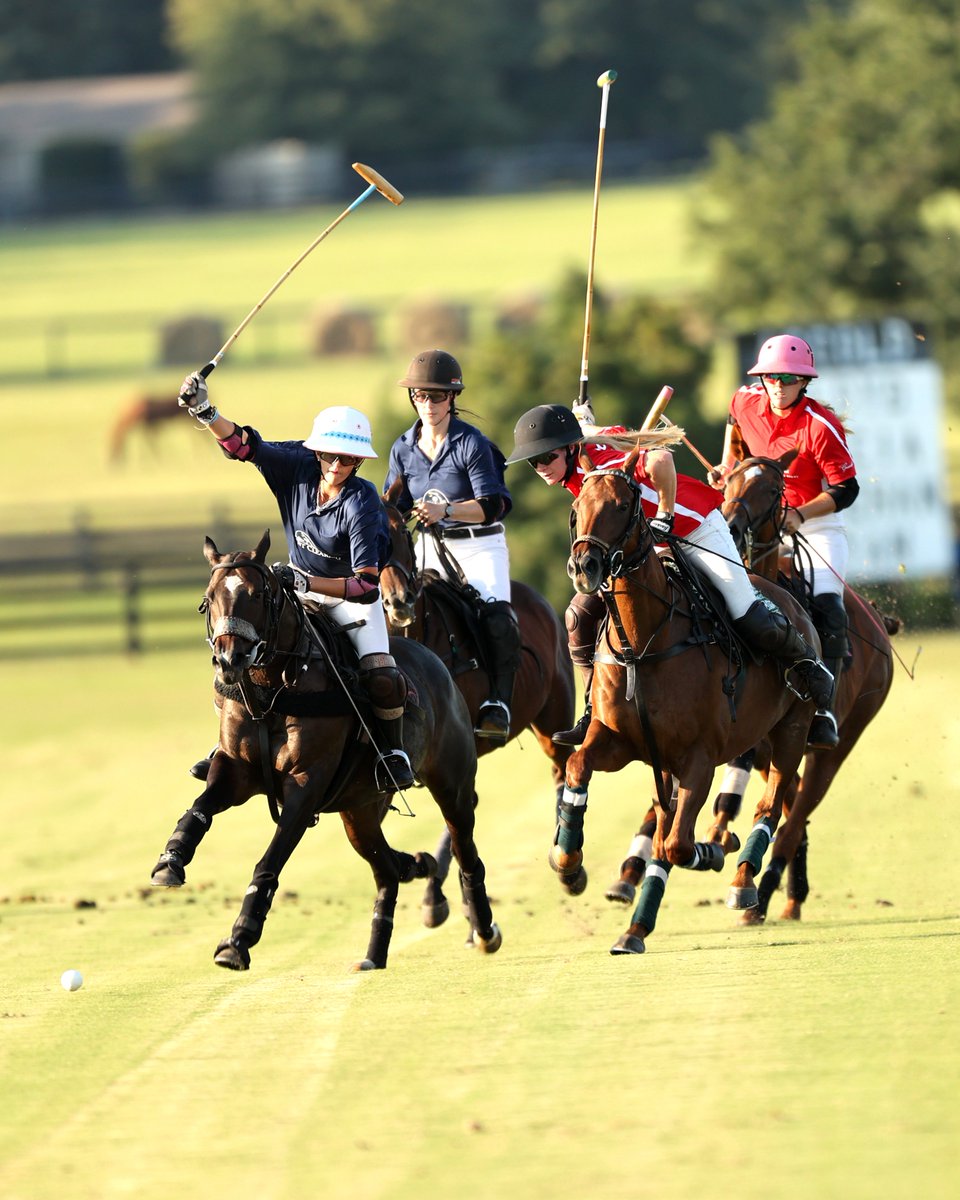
541,460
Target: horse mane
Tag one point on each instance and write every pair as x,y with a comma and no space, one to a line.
644,439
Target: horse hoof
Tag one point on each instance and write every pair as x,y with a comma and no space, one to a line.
575,884
166,877
488,945
564,863
622,892
742,897
729,843
628,943
751,916
366,964
434,915
232,956
791,912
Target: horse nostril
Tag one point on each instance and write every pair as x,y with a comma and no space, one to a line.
571,567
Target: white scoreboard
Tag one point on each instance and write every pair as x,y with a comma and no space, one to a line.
880,378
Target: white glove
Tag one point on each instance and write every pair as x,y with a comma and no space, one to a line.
195,399
584,413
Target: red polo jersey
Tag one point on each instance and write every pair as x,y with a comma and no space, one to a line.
695,500
815,430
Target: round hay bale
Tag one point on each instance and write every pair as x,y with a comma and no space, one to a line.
436,323
343,331
190,339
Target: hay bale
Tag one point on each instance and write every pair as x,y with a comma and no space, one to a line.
343,331
190,340
437,323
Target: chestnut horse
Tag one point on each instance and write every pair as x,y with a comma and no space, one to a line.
665,696
289,729
142,412
543,693
754,508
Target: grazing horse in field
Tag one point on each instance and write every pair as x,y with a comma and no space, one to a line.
425,608
667,692
754,508
143,412
289,729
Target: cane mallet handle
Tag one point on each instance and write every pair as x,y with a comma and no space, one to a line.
656,410
377,184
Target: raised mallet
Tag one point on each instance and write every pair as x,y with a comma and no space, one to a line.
377,184
604,82
656,412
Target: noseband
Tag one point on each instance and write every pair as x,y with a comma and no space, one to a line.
263,646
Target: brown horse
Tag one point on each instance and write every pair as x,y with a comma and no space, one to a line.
422,609
143,412
289,728
754,508
666,696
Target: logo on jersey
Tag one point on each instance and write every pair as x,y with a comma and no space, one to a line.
305,542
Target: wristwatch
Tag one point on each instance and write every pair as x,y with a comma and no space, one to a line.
446,510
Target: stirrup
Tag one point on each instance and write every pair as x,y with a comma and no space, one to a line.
574,736
393,772
823,734
815,681
493,720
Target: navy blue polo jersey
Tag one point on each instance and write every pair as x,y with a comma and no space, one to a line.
468,465
336,539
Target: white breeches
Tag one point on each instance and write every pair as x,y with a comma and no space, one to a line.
484,561
828,552
370,636
711,548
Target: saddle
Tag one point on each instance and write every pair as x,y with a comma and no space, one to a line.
452,604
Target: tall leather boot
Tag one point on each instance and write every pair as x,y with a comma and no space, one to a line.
501,643
830,619
387,690
582,620
771,633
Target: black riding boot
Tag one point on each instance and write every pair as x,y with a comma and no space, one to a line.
771,633
582,620
501,638
830,618
201,769
387,690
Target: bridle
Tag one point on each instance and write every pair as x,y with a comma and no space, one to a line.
615,561
263,645
754,551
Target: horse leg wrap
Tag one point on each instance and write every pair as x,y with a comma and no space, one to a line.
798,885
256,904
651,893
732,788
707,856
641,847
188,834
769,883
756,846
569,836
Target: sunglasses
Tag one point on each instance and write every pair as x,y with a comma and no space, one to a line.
420,397
543,460
785,379
345,460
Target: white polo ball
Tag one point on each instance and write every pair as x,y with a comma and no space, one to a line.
71,980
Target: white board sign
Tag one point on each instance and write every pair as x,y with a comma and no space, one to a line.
880,378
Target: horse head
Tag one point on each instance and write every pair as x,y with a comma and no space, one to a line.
753,504
242,608
607,526
399,580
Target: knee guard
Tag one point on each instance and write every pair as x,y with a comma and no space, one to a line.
830,620
582,620
501,630
385,686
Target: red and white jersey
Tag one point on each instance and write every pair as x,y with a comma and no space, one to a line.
695,500
816,432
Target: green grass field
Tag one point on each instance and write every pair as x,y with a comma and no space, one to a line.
812,1059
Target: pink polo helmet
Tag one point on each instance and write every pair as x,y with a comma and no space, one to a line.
785,354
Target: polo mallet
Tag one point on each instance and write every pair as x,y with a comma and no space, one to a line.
377,184
604,82
656,412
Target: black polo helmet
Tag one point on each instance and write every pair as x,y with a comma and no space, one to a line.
433,370
546,427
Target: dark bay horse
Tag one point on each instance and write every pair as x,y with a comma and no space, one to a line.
289,730
754,508
663,696
420,608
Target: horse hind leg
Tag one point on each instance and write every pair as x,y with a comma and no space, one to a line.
435,908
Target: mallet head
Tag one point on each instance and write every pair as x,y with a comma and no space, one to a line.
383,186
606,78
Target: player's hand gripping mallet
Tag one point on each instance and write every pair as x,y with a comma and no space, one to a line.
377,184
582,406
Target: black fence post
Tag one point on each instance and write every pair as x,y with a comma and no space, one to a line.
131,608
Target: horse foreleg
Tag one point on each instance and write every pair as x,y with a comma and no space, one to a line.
742,893
798,882
633,866
728,801
458,808
655,877
435,908
170,869
234,951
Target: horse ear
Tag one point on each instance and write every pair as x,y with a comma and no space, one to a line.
631,462
586,462
210,551
260,554
392,494
788,456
